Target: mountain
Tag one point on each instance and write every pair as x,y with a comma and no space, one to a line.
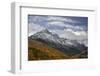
79,35
48,36
66,46
40,51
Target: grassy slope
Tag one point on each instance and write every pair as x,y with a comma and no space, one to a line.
40,51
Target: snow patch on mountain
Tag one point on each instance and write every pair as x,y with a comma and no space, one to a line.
49,36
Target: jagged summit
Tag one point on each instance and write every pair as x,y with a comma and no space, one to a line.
46,35
45,31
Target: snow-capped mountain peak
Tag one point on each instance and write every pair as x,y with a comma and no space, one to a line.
45,31
48,36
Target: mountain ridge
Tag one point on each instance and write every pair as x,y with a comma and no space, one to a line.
44,41
55,41
45,34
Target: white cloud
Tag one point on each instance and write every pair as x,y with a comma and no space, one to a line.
55,23
33,28
61,19
59,22
52,18
37,19
74,27
80,33
66,26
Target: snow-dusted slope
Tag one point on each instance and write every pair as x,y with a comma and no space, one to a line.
69,34
48,36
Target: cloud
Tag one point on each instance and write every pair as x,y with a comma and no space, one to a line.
75,27
56,22
33,28
55,18
39,18
80,33
61,19
55,25
61,22
61,25
36,19
71,34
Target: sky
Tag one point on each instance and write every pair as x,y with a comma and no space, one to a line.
71,27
